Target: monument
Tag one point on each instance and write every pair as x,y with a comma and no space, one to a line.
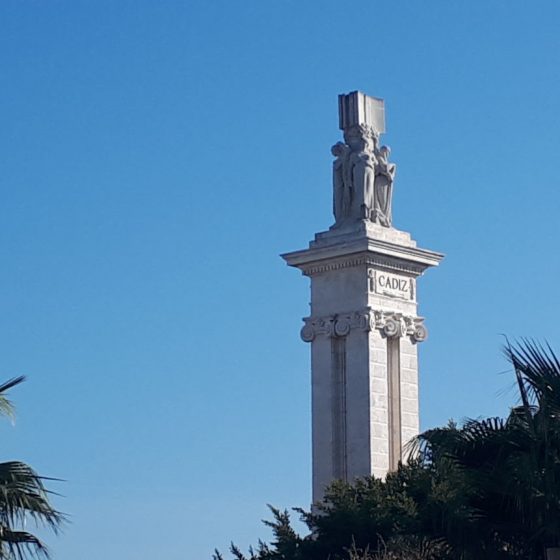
364,327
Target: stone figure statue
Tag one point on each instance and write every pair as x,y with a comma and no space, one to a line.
363,182
362,178
384,177
342,185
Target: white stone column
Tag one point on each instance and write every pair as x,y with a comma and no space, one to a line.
364,325
364,330
379,408
410,417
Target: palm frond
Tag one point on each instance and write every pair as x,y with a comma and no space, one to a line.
6,406
20,545
22,495
539,370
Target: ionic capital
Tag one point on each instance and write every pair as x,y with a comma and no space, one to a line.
391,324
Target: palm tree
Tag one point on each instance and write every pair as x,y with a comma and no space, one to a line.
511,467
22,496
538,376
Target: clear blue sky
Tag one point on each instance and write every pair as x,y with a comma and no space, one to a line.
156,159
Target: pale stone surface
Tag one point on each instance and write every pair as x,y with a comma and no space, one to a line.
364,326
362,175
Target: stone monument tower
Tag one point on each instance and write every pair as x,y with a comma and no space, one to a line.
364,327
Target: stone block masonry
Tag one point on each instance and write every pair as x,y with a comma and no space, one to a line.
364,326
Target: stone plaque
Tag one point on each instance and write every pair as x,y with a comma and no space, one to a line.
387,284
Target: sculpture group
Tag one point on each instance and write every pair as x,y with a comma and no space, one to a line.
362,177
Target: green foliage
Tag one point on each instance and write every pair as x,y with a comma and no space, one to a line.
489,488
23,496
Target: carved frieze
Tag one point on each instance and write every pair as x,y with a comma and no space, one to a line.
390,323
371,260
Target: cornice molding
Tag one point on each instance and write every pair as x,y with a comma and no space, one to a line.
329,255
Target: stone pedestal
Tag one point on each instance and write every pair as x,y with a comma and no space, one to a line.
364,330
